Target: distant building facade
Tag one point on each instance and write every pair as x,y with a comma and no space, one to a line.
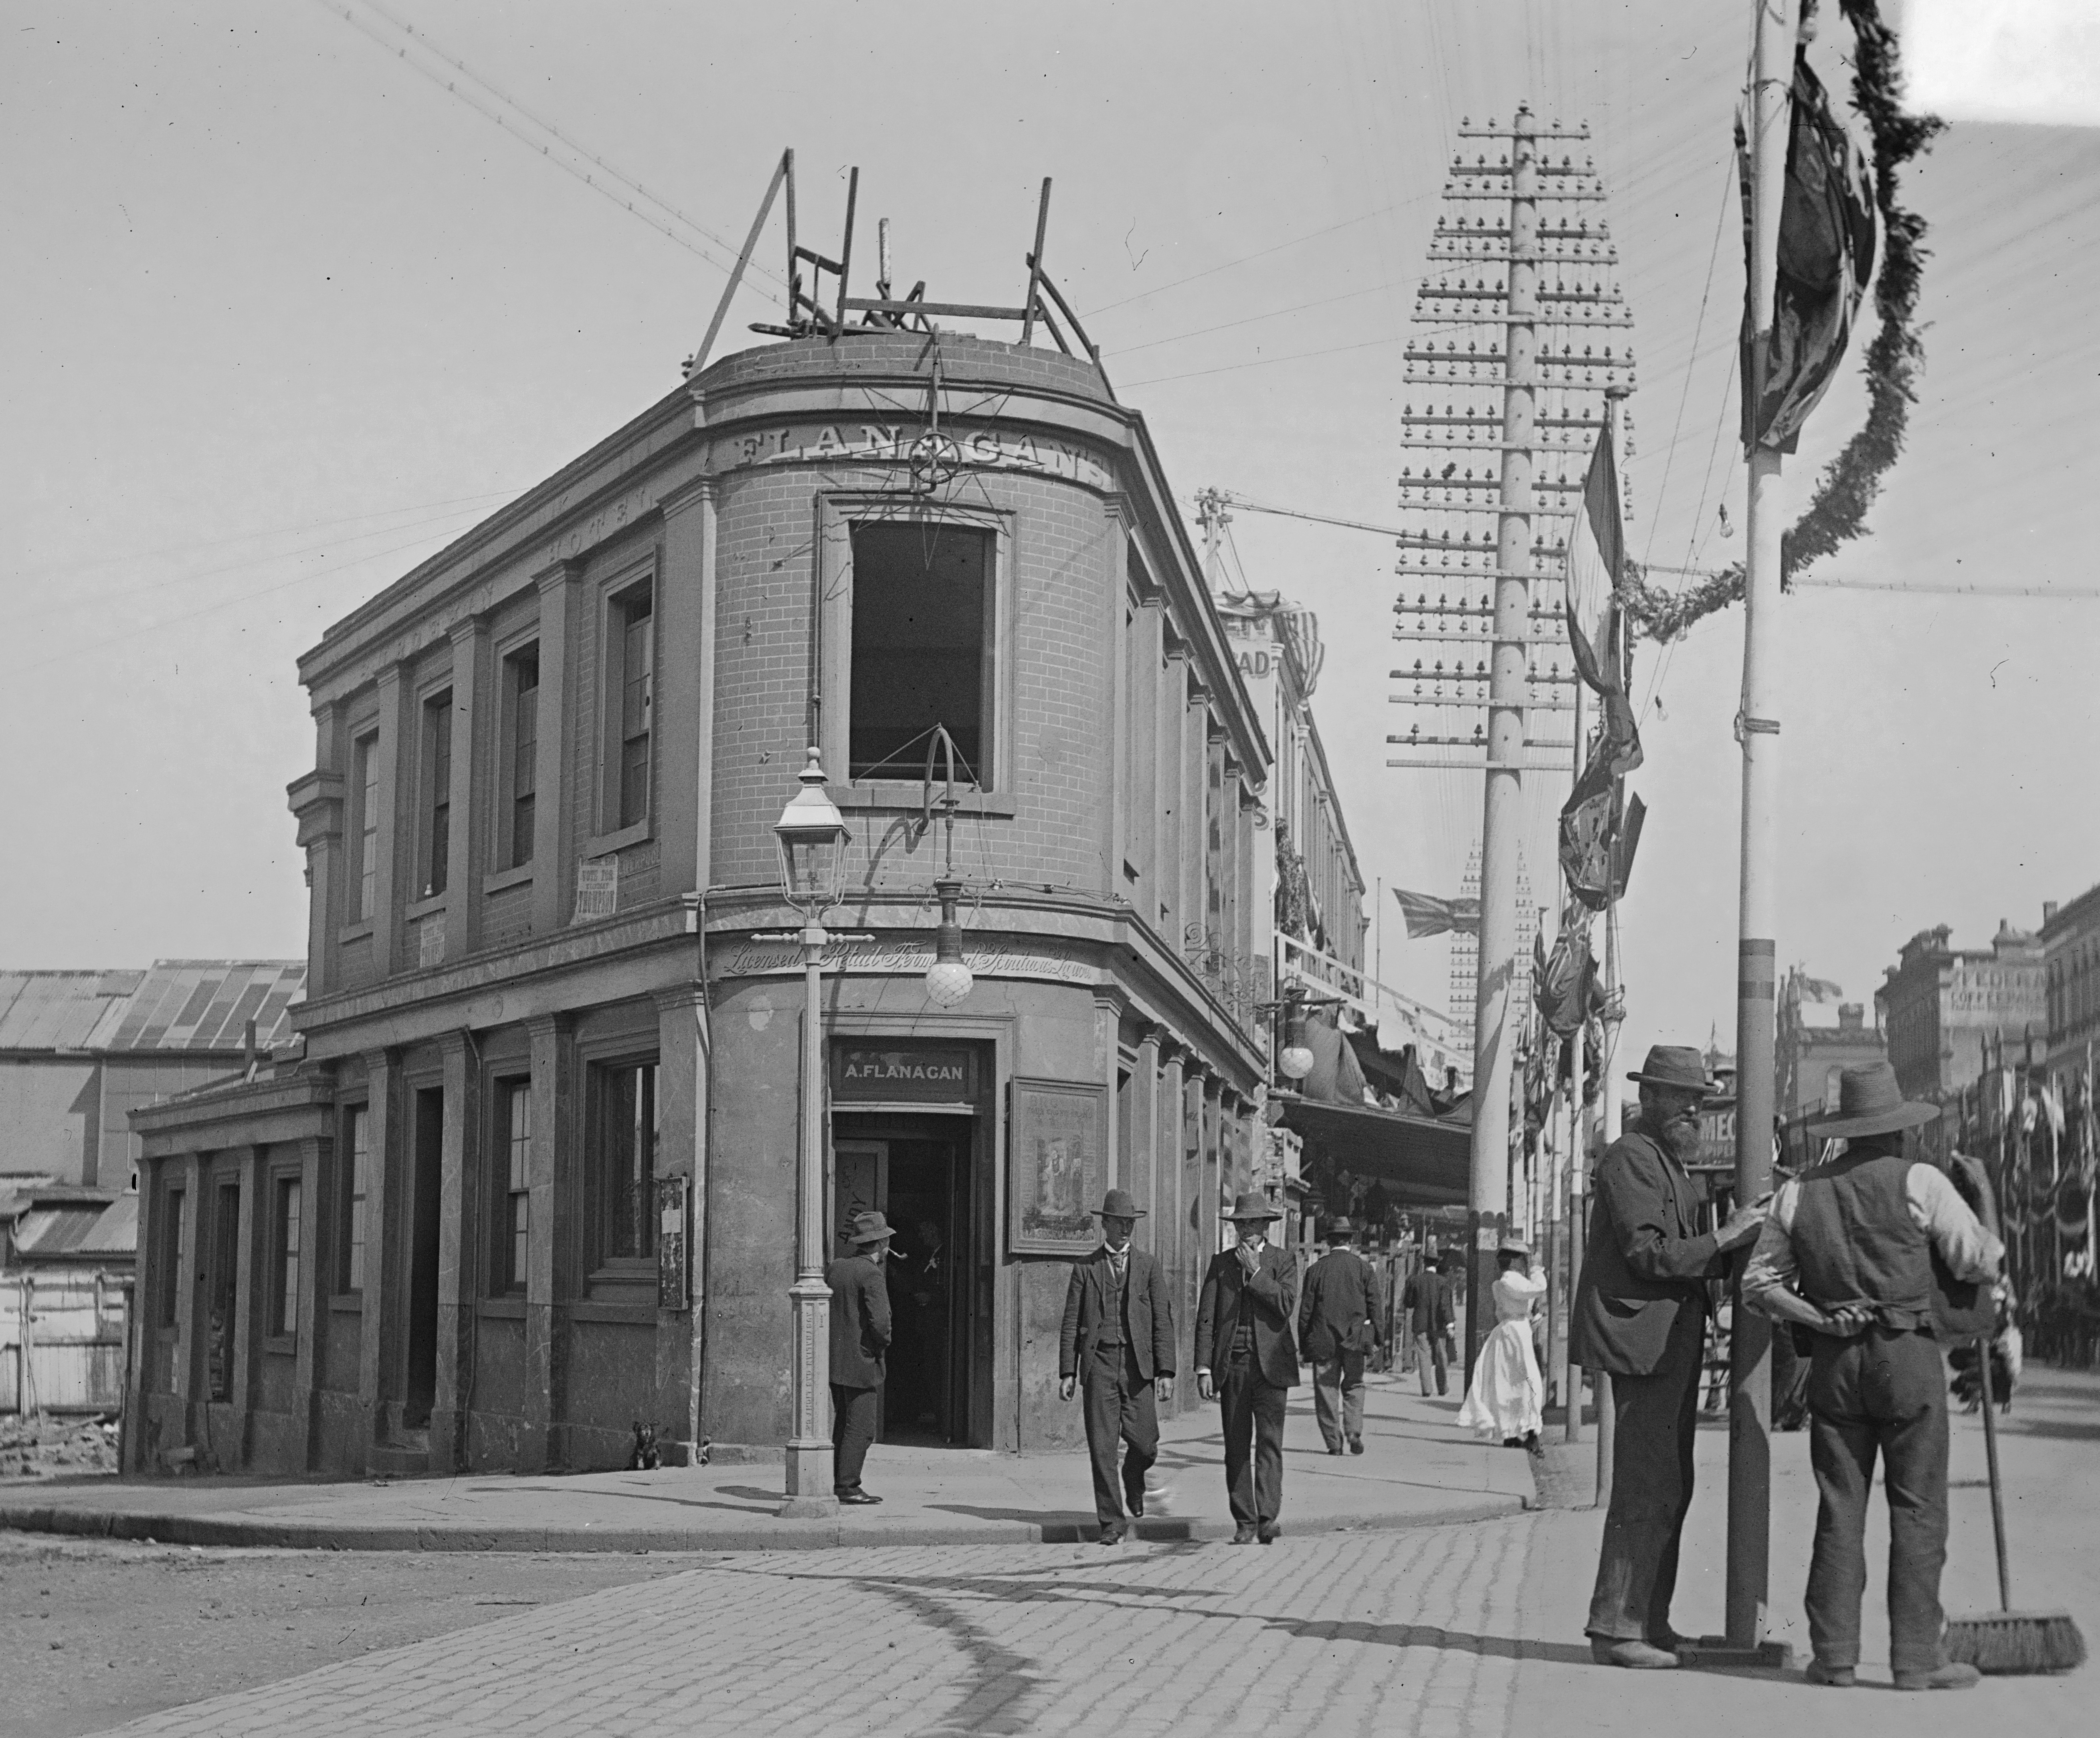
1940,1004
1810,1057
2071,957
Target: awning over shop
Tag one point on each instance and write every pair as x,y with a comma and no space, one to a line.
1423,1162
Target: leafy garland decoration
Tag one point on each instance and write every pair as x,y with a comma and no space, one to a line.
1847,489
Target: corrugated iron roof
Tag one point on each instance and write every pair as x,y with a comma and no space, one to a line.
117,1232
55,1010
52,1228
205,1004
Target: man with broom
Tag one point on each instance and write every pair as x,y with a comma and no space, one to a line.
1847,1252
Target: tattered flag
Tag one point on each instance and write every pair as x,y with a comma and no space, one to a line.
1596,555
1427,915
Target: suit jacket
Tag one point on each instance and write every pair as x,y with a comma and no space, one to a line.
1646,1260
860,1321
1427,1299
1272,1298
1148,1315
1344,1308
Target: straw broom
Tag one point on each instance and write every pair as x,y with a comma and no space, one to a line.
2007,1642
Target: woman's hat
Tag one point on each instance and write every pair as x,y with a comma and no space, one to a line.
1681,1065
1253,1205
1118,1204
1870,1102
1514,1246
871,1228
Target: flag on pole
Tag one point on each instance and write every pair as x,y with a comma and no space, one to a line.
1827,238
1596,556
1427,915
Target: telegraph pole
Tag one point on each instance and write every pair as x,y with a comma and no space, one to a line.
1749,1376
1508,688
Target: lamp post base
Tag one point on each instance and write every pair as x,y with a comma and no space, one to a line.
811,1492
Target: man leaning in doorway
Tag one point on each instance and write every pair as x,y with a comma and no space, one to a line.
1245,1356
1117,1342
1641,1316
1847,1255
860,1339
1341,1319
1427,1300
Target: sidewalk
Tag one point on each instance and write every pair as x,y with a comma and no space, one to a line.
1418,1469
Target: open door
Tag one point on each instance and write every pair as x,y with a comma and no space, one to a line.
860,1184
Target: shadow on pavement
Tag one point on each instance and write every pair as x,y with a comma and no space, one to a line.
1428,1635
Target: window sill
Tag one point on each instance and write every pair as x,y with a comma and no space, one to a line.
281,1345
910,794
605,843
356,932
510,1308
424,907
506,878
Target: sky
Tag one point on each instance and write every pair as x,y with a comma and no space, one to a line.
284,315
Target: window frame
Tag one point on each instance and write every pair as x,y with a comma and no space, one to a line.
838,512
352,1241
600,1072
435,746
507,1275
287,1254
617,596
516,758
361,890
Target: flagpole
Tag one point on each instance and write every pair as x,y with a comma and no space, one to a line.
1750,1444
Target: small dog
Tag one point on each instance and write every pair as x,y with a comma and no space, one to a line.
645,1458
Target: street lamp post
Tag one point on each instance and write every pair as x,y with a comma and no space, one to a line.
811,835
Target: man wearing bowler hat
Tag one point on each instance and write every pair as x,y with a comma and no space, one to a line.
1341,1320
1641,1315
1245,1356
1118,1343
1846,1254
860,1339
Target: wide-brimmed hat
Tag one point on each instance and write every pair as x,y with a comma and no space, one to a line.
1340,1227
1118,1204
1681,1065
1870,1102
871,1228
1253,1204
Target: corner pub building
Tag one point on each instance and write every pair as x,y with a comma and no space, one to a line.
533,1176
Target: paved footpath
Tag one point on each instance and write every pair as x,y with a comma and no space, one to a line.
1446,1631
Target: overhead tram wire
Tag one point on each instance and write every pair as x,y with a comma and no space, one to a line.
610,172
1683,398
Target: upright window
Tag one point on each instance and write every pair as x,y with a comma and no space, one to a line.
356,1182
922,639
630,696
622,1159
171,1257
521,757
514,1144
438,792
284,1280
365,759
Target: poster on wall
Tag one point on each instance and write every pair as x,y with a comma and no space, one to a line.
1058,1165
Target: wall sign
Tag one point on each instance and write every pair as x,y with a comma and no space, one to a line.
672,1245
1056,1166
868,1072
898,959
891,444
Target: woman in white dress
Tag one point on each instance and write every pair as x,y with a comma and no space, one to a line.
1503,1402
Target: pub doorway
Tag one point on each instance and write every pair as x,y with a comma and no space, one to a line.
919,1170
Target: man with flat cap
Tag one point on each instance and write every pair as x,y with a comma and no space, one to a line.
1117,1344
860,1339
1341,1320
1848,1254
1641,1316
1245,1356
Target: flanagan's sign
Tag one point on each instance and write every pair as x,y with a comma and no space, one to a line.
874,1074
892,444
899,958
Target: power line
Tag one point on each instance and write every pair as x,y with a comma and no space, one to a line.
1263,361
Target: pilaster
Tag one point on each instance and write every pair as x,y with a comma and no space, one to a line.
685,689
553,875
682,1059
393,876
449,1402
376,1383
1141,1167
1115,780
314,1290
546,1355
250,1266
474,752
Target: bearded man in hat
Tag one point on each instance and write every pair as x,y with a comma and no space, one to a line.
1118,1343
1341,1320
1848,1254
860,1342
1245,1356
1641,1316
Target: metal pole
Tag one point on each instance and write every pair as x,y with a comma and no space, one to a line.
1503,806
811,1486
1749,1378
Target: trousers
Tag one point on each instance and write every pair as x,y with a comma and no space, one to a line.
1251,1407
1120,1410
1338,1398
1657,1418
1428,1346
854,1412
1882,1392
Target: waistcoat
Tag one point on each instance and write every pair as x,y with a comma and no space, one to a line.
1854,1240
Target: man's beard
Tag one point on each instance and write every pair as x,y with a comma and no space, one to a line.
1680,1138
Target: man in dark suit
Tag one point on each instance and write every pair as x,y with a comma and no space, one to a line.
1427,1300
1245,1356
860,1337
1341,1318
1641,1315
1118,1342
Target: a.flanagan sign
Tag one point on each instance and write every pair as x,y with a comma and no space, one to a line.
870,1073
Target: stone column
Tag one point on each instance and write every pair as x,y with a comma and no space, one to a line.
390,880
682,1151
1174,1244
552,767
315,1286
189,1280
1141,1164
378,1377
546,1273
457,1295
249,1265
475,707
